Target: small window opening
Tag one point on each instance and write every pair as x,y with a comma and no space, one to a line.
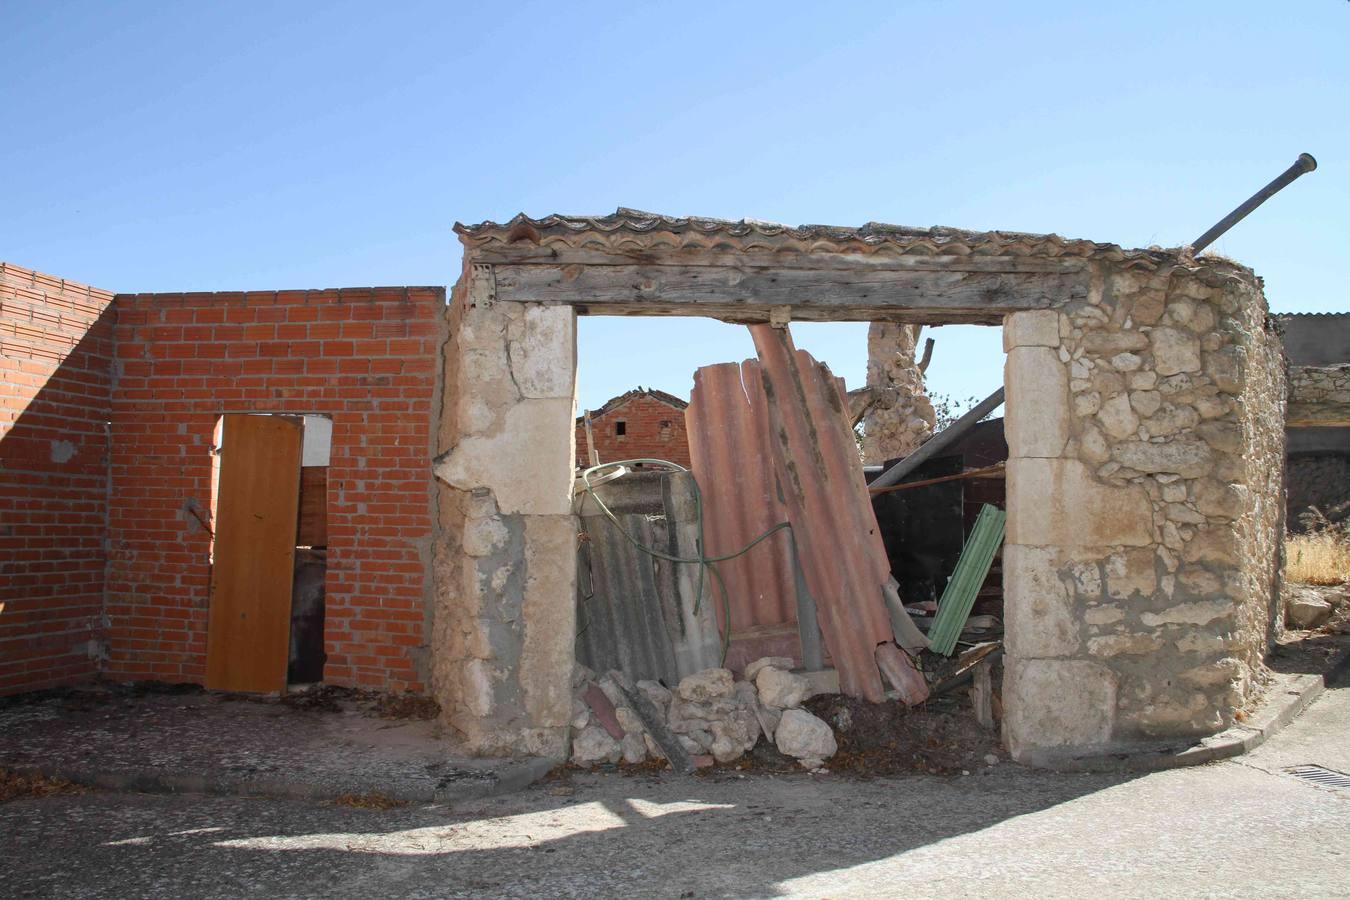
620,428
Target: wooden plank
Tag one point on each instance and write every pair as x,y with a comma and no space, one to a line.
249,625
748,293
313,530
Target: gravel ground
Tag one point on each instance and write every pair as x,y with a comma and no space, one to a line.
1241,828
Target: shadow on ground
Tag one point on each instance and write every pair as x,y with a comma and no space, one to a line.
610,836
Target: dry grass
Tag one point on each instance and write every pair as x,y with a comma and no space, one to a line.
13,786
1322,557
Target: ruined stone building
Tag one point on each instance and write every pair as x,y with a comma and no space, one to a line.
1144,421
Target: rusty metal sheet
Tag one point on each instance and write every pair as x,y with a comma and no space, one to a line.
826,498
733,463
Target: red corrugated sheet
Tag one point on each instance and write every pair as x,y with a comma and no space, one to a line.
836,531
733,464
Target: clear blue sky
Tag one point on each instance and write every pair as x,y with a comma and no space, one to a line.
215,146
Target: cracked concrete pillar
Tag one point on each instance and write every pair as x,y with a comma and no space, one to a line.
505,565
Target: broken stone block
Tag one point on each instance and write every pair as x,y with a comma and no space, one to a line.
706,685
805,737
1306,610
594,745
779,689
777,662
634,748
657,694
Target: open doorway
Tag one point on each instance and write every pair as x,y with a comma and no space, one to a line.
268,554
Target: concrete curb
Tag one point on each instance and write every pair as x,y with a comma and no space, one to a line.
1287,698
511,776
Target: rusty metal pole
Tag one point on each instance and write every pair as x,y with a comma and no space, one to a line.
1304,164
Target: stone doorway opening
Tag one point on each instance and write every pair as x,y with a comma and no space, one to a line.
1142,425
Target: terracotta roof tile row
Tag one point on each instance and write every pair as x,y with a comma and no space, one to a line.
631,228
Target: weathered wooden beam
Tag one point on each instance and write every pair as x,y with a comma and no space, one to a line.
563,255
749,293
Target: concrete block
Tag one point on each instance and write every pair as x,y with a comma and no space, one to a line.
1037,418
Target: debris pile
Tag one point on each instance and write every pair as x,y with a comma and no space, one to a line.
709,716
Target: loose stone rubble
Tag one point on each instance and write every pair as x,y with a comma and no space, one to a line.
713,716
1307,606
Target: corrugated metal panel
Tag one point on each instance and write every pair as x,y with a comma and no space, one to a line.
733,463
827,502
635,612
971,569
619,599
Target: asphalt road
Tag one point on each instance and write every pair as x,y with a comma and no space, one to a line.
1241,828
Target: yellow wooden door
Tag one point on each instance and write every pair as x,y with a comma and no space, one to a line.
257,502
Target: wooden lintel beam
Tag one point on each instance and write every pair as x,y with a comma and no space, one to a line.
747,294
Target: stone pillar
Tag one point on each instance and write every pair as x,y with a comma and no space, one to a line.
505,562
1141,551
902,418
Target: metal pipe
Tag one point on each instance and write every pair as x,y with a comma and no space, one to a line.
1305,163
939,442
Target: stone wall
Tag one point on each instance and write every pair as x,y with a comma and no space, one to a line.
1319,395
902,417
505,560
1145,438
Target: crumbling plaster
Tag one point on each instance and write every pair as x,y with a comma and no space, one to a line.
505,565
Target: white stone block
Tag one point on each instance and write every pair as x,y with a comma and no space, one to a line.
1039,616
527,464
1031,328
544,353
1059,503
1057,703
1036,421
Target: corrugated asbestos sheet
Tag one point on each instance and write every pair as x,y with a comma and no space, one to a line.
637,613
827,502
733,462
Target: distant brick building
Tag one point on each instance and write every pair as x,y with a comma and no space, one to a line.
643,423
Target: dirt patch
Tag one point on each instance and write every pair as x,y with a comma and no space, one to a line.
14,786
369,801
407,706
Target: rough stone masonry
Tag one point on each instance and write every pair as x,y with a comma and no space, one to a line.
1144,429
1144,419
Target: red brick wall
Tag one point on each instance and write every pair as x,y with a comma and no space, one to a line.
365,357
645,438
55,356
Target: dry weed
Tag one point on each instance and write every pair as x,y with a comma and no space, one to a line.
1321,557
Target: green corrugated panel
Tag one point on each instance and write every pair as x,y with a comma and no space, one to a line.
971,570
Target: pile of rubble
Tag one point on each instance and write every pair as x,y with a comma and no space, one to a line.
712,716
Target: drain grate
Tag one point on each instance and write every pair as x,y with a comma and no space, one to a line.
1321,776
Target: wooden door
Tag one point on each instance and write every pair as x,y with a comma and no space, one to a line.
256,507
